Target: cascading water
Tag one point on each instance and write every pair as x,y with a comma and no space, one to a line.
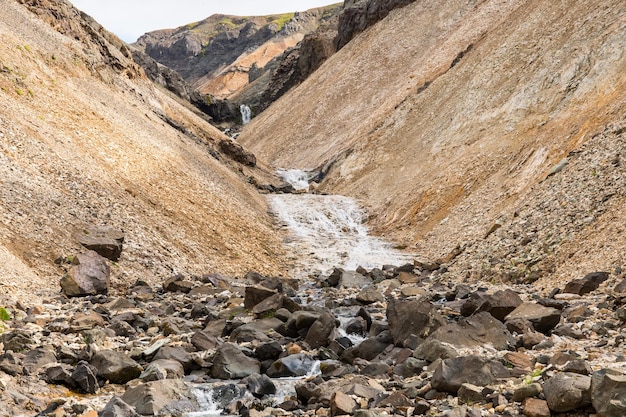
299,179
246,114
328,231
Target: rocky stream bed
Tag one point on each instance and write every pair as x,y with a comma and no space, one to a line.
364,341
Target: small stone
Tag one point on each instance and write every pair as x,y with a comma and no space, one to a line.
534,407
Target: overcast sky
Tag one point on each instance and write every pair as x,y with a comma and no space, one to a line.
130,19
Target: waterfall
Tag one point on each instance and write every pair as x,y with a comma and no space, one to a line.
246,114
300,179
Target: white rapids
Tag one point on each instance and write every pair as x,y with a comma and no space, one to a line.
327,231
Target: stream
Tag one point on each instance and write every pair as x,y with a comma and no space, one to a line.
322,232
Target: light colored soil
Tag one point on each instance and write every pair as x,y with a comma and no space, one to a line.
81,145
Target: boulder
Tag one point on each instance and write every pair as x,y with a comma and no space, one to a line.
475,331
269,306
165,397
321,331
566,391
204,341
369,295
35,359
498,305
412,317
231,363
470,393
254,294
451,373
608,393
175,353
588,283
259,385
106,242
342,404
292,365
115,366
60,374
177,283
255,330
168,368
543,319
534,407
89,275
85,377
116,407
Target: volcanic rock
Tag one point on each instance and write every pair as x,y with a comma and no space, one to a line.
543,319
588,283
165,397
412,317
231,363
567,391
608,393
115,366
89,275
106,242
452,373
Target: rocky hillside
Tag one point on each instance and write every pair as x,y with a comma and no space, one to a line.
447,121
87,141
222,54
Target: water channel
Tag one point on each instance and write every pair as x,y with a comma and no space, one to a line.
322,232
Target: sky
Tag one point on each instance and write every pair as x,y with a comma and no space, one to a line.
129,19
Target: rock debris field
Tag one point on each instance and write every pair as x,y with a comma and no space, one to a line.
395,341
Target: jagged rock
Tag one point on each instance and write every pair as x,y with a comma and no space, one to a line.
86,321
412,317
203,341
116,407
231,363
371,347
620,288
85,377
36,359
269,350
470,332
160,398
608,393
122,328
321,331
169,368
588,283
433,349
453,372
370,295
567,391
396,400
534,407
255,294
470,393
106,242
269,306
255,330
259,385
293,365
519,360
115,366
10,364
177,283
236,152
89,275
61,374
543,319
341,404
498,305
175,353
17,340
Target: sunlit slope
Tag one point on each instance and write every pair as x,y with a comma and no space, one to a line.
85,143
442,116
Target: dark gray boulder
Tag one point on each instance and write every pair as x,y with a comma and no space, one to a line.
292,365
231,363
498,304
543,319
106,242
567,391
259,385
321,331
608,393
85,378
587,284
412,317
115,366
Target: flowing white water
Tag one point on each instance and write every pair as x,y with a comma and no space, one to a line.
328,231
300,179
246,114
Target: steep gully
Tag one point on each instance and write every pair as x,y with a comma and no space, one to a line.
323,232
